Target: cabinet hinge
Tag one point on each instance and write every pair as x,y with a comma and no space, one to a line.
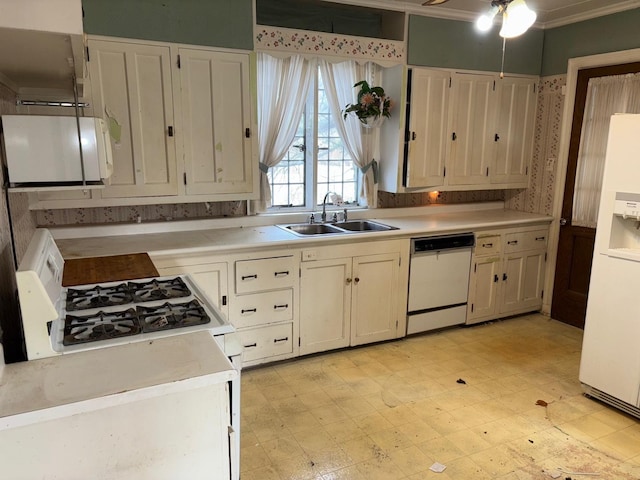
472,308
178,62
545,256
87,50
449,82
400,261
224,300
247,132
475,267
487,171
526,170
300,272
444,172
494,85
542,294
184,177
299,342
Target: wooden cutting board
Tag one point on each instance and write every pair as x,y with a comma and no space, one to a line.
115,268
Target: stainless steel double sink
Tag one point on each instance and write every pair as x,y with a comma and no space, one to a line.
350,226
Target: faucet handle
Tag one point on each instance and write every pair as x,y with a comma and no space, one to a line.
312,218
344,215
334,217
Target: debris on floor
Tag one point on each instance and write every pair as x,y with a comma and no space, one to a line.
542,403
461,381
437,467
559,472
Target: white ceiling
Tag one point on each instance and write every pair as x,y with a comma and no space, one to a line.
551,13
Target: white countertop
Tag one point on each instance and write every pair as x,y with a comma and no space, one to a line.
425,222
60,386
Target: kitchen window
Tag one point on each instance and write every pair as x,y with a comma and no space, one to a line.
317,162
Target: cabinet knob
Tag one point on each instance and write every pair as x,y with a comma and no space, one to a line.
504,277
454,136
495,278
356,280
348,281
496,138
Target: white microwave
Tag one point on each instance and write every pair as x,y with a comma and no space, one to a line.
45,151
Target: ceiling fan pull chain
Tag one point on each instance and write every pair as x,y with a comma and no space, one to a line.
504,45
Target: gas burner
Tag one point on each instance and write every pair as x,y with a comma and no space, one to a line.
100,326
159,290
168,316
98,296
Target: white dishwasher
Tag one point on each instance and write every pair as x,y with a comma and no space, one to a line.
438,281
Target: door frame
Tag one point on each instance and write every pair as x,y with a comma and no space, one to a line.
574,65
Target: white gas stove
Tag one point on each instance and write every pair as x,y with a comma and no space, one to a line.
60,320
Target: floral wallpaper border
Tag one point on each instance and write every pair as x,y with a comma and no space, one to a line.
303,41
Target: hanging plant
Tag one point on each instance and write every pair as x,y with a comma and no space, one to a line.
372,104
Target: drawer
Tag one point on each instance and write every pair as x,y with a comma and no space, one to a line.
261,308
264,342
487,245
265,274
522,241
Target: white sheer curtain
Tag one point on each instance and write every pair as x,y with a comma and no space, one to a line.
605,96
283,84
361,143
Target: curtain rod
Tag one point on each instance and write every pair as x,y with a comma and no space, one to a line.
44,103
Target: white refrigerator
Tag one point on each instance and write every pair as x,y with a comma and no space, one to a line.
610,363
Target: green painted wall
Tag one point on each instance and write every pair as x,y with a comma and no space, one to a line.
612,33
218,23
437,42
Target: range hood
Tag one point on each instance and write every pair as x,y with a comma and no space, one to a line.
41,46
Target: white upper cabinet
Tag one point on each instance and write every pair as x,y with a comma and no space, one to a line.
514,130
216,121
427,133
472,124
460,131
132,91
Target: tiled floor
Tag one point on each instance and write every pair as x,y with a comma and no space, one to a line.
389,411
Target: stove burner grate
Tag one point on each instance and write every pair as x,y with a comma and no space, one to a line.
100,326
159,289
168,316
98,296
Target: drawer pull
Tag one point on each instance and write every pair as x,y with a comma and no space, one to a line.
281,307
487,245
540,239
504,277
248,310
512,242
281,274
495,278
280,340
249,277
251,345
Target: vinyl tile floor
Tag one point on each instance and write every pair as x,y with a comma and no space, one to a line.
499,400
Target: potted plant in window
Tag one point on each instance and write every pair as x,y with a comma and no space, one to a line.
372,105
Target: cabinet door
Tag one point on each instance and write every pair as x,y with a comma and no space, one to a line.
132,90
524,277
216,113
211,278
427,135
472,129
483,288
515,130
325,304
374,307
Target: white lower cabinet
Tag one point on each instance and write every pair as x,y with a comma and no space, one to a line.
507,273
350,295
264,305
209,273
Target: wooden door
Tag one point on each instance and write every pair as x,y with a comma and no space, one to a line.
472,129
216,113
427,135
575,245
485,279
374,304
132,92
325,304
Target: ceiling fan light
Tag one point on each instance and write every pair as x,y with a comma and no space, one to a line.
485,21
516,19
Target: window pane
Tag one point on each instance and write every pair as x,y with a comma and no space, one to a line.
349,170
296,172
323,172
280,194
